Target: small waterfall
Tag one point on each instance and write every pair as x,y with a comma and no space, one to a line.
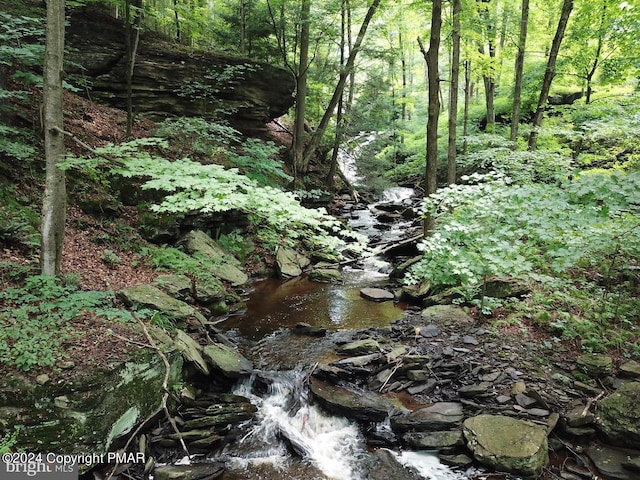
288,422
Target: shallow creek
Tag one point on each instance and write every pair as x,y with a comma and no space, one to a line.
295,439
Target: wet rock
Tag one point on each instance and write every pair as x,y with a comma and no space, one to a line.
619,416
196,471
227,360
383,465
437,417
434,440
360,347
227,267
470,391
359,361
309,330
190,350
507,444
630,369
356,404
326,272
610,462
290,263
595,364
461,460
376,294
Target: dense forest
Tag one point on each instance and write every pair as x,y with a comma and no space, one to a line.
517,124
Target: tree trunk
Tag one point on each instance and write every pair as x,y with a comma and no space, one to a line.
549,73
243,26
54,202
596,60
519,68
467,100
453,94
299,166
431,57
314,142
175,14
132,49
340,115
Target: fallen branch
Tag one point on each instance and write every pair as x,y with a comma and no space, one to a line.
165,397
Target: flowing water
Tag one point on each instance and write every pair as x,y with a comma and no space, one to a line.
293,438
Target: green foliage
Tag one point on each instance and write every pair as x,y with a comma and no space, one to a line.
9,439
19,221
110,258
36,318
257,161
193,187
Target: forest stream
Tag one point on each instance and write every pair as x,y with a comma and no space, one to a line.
294,438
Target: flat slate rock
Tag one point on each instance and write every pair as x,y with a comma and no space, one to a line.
356,404
437,417
376,294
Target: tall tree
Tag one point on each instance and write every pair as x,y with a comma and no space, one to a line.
316,137
132,38
519,68
453,93
54,202
549,73
431,57
301,92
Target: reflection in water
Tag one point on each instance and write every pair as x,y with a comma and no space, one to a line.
282,304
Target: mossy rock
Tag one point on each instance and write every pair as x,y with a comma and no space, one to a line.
152,297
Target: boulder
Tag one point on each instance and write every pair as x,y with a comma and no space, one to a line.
377,294
178,286
290,263
437,417
613,463
507,444
326,272
356,404
446,314
190,350
360,347
619,416
505,287
227,360
595,364
434,440
630,369
152,297
226,266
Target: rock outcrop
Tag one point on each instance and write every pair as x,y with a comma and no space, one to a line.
170,81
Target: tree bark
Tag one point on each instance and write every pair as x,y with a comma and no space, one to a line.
519,68
314,142
431,57
54,202
549,73
467,100
453,94
299,166
132,49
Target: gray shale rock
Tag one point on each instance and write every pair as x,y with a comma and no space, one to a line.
359,405
619,416
507,444
437,417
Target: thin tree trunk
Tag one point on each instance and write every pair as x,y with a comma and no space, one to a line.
176,17
549,73
314,142
243,26
132,50
467,100
519,68
596,60
340,115
453,94
301,93
54,203
431,57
